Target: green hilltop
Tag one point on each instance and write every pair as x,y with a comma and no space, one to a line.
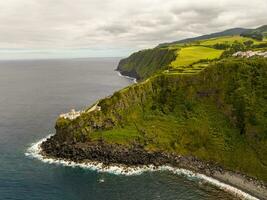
193,98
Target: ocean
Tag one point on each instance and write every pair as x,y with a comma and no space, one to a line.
32,94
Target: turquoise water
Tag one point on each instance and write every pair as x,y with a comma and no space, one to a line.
32,94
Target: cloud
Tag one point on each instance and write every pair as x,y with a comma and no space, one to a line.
119,24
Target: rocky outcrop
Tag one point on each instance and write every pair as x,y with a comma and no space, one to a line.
136,155
110,154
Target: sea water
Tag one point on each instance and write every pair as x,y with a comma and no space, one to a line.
32,94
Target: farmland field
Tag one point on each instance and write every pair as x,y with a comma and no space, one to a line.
190,55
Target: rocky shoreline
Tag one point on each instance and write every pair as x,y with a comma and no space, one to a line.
136,155
132,74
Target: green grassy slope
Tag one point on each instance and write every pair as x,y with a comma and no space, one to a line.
189,55
218,114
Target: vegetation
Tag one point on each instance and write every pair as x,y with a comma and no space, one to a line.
218,115
224,40
229,32
194,99
144,63
189,55
257,34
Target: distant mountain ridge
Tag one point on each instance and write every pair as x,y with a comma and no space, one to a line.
229,32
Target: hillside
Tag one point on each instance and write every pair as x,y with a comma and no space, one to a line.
194,100
229,32
260,31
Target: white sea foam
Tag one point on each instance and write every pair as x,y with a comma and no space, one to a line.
128,77
34,151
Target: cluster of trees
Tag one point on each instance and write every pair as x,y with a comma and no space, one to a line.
246,93
248,43
261,45
238,46
254,35
221,46
235,47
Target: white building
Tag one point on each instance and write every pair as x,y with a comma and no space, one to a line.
249,54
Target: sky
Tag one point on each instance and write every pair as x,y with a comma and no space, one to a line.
106,28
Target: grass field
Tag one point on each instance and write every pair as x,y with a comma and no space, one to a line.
189,55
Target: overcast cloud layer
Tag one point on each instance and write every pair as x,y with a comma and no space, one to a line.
119,25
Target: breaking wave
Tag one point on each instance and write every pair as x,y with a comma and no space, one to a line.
128,77
34,151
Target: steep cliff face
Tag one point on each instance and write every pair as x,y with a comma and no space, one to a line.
219,115
114,112
145,63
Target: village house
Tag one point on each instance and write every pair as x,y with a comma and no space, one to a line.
249,54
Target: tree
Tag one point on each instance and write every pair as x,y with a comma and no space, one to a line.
253,35
248,43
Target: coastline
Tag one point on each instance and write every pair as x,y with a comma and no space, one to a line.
125,76
238,185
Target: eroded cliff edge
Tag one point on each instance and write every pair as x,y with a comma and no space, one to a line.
143,64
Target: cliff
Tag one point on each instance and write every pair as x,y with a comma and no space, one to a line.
218,115
144,63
